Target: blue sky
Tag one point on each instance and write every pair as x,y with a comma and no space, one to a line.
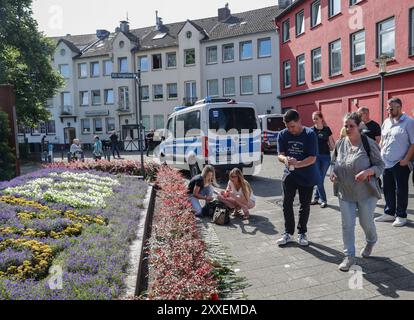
61,17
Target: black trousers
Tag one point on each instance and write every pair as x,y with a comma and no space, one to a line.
305,197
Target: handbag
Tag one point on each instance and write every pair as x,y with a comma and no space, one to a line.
221,216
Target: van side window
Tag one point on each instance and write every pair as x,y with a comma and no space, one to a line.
188,124
275,124
233,119
170,128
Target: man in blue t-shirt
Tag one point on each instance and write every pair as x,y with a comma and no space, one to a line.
298,149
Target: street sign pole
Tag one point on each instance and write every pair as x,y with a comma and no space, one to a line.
138,112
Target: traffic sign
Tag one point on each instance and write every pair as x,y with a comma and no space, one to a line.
124,75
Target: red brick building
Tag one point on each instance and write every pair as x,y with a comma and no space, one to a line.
327,56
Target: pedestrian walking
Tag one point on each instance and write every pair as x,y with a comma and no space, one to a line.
97,149
397,150
114,144
201,188
370,128
326,144
149,141
239,194
298,150
356,164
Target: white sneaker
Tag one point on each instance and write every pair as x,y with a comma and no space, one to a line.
346,264
303,240
287,238
385,218
400,222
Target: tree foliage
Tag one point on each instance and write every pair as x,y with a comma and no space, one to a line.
25,61
7,159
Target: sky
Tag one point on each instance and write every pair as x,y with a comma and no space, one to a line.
61,17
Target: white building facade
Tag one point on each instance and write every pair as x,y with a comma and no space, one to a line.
233,56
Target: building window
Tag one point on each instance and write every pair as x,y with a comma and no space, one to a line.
316,64
51,127
287,82
64,70
97,125
212,88
157,90
107,66
123,65
36,131
335,58
96,97
172,91
358,50
212,55
228,52
334,7
146,122
109,96
66,99
316,14
386,38
300,70
156,62
84,98
158,122
94,69
110,125
189,57
190,92
144,93
86,126
352,2
412,31
143,63
300,23
83,70
265,83
229,87
246,85
246,50
124,98
264,48
171,60
286,30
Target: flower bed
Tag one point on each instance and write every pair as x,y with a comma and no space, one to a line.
178,268
127,167
80,221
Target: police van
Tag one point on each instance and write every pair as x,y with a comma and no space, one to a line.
271,125
218,132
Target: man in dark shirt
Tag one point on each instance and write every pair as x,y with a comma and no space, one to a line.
371,129
114,144
298,150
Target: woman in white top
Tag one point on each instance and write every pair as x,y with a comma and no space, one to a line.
239,194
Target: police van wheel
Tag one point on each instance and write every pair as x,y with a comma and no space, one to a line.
194,170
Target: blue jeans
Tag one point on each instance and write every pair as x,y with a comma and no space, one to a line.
205,192
365,211
396,190
322,164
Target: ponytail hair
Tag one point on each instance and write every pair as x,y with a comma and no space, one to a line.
320,115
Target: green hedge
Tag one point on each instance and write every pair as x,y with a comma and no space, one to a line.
7,159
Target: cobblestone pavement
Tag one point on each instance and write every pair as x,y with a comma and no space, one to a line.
311,273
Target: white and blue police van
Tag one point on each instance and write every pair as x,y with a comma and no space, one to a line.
271,125
219,132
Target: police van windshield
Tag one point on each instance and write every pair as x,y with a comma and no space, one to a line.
233,118
275,124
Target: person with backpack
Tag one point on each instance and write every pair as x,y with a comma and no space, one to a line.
397,150
239,194
201,188
356,165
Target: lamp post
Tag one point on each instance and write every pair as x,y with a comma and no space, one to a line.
382,63
138,112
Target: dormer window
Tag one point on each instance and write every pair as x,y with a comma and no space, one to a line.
189,34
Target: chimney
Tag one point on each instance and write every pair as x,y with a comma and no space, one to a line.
283,4
224,13
158,21
124,26
102,34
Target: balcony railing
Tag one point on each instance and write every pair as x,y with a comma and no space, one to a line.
189,101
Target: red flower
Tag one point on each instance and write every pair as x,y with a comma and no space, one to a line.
215,297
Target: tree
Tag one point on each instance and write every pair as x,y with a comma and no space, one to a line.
25,61
7,159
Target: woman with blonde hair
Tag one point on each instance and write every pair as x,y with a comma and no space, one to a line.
239,194
201,188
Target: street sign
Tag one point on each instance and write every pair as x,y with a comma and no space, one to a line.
124,75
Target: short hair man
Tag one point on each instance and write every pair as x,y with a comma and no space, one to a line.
397,150
372,129
298,149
